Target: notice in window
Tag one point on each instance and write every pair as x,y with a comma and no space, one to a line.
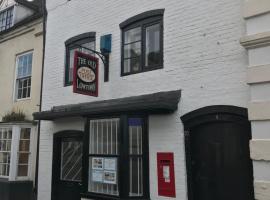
97,176
110,177
97,163
110,164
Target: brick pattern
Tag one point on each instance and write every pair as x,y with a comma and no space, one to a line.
202,57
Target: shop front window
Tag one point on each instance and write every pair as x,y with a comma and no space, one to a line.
117,159
5,151
15,150
24,152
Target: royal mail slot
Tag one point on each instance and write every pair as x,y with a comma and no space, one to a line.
166,177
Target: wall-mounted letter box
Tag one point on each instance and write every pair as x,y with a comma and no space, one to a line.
166,179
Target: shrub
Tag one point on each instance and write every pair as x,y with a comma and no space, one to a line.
14,116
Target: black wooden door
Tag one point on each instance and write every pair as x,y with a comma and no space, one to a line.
67,166
220,161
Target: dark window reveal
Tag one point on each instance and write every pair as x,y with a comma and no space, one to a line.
117,159
142,42
73,44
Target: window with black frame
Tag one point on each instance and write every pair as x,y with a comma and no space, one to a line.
142,42
81,43
117,147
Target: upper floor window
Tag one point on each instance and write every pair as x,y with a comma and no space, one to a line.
24,74
6,18
73,44
142,42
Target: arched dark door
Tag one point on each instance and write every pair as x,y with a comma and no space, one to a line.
217,151
67,165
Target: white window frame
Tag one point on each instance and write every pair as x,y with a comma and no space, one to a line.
16,131
15,93
8,127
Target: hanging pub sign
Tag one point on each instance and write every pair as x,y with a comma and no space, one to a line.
85,74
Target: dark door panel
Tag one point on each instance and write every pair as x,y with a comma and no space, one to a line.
218,150
67,166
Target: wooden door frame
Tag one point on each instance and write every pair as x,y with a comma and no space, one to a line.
55,161
204,115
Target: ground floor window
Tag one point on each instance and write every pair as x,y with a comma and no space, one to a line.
117,157
15,151
5,151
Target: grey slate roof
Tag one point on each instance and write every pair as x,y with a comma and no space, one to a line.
36,6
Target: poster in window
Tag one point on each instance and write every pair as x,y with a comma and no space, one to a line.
109,177
97,176
97,163
110,164
85,74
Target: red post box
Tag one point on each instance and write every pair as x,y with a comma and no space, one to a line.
166,178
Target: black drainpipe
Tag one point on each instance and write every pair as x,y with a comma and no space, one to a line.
44,14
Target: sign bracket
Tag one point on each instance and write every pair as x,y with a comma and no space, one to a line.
105,57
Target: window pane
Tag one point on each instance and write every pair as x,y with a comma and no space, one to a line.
23,170
133,35
152,52
132,50
24,152
135,152
132,65
71,160
136,177
23,88
104,136
5,150
102,180
25,133
24,71
23,158
6,19
89,45
72,49
24,145
135,136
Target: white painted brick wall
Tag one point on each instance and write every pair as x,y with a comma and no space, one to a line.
202,57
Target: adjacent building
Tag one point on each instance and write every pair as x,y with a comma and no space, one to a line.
145,100
21,50
256,41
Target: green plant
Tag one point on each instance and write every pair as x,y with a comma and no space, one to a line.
13,115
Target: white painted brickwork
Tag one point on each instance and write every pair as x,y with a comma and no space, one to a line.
202,57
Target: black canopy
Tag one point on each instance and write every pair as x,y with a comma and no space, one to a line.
156,103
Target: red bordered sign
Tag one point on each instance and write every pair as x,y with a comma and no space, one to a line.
85,74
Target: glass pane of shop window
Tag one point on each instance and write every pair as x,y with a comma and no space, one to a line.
135,176
22,170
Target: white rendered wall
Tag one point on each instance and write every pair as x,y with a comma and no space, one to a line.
202,57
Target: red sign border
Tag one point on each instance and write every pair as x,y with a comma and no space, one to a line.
75,90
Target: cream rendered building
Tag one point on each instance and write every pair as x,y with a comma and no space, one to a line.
21,50
257,42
